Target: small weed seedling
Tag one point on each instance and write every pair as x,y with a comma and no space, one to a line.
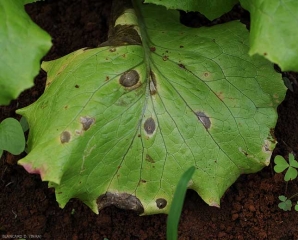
291,174
12,137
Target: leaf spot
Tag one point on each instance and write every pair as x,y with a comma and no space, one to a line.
161,203
204,119
206,74
120,200
152,85
86,122
181,65
112,50
149,159
165,57
220,95
65,137
152,49
77,86
130,78
149,125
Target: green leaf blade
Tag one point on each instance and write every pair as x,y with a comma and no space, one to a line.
19,37
12,138
282,198
154,111
281,164
293,163
272,33
286,206
291,174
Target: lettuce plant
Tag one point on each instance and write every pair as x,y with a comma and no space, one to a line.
117,124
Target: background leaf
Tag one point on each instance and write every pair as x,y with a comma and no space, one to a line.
273,31
127,120
12,138
211,9
22,45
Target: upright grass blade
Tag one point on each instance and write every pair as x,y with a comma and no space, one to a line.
176,207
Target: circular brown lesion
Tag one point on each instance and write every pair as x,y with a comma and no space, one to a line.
149,125
65,137
206,74
161,203
129,78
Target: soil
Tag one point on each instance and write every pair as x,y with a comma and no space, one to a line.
249,208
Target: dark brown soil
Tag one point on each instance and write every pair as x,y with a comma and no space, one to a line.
248,209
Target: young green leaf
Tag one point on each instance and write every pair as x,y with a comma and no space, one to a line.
12,138
118,124
285,204
291,174
281,164
19,37
293,163
296,207
177,204
282,198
